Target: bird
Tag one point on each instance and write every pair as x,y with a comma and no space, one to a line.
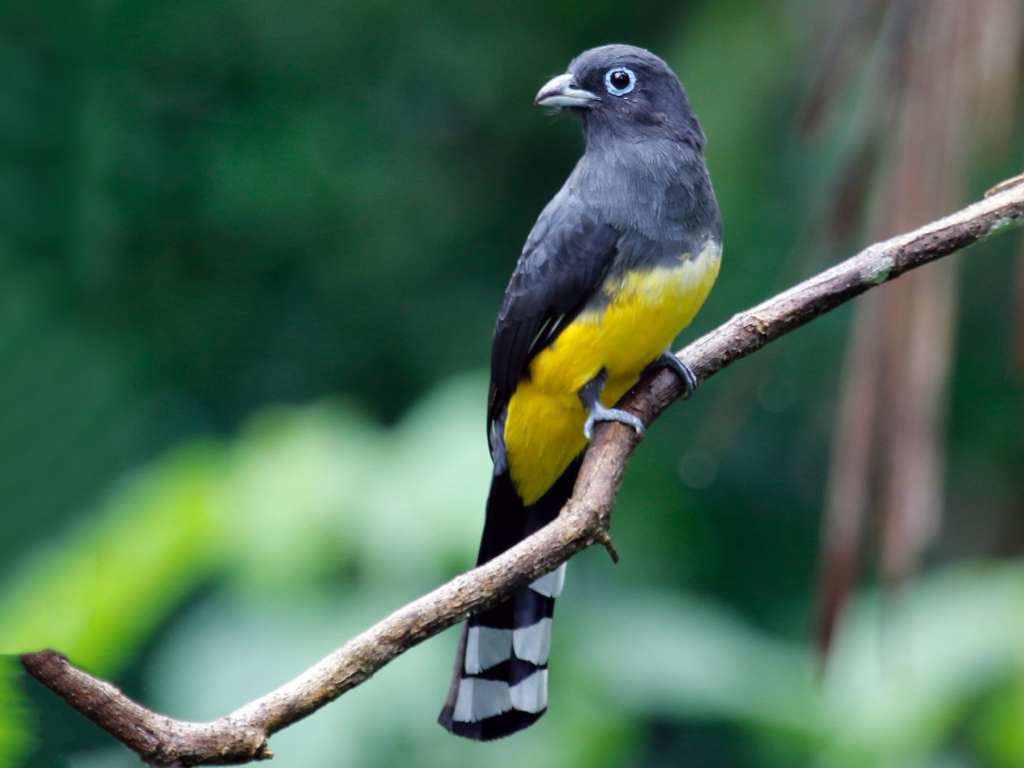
618,263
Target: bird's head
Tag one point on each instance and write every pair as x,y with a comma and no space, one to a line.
624,92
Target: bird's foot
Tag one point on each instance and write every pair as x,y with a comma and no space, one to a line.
590,396
685,373
600,413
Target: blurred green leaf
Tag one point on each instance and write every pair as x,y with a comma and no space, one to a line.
15,725
99,594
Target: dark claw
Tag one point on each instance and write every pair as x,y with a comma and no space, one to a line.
685,373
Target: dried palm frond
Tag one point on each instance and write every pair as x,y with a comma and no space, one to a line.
942,80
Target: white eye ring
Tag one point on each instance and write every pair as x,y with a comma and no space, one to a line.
612,88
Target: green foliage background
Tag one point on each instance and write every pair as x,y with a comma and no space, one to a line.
250,258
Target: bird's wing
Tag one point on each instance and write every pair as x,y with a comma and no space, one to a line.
564,260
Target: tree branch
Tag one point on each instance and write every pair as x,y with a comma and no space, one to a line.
242,735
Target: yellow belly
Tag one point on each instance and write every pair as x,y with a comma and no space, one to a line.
646,311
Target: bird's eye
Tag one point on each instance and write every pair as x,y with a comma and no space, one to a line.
619,81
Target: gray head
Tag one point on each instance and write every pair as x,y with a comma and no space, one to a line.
624,92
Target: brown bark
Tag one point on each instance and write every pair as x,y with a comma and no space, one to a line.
242,735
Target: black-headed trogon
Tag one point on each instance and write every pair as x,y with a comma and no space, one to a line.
618,263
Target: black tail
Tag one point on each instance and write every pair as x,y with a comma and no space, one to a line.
500,682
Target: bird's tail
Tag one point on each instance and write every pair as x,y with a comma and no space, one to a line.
500,682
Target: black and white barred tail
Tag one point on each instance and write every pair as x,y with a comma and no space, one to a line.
500,682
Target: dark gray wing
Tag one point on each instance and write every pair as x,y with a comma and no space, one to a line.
565,258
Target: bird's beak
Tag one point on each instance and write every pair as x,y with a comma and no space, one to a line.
562,92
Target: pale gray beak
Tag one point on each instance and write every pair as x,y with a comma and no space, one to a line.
562,92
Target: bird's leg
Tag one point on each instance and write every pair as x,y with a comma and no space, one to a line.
685,373
590,396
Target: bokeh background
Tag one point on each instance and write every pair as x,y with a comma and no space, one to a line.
251,255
